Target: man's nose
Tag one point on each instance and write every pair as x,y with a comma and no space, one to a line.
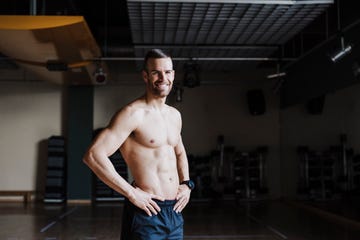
161,74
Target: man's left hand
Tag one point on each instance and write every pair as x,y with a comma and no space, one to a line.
182,197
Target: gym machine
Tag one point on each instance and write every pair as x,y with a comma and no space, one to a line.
325,174
317,174
249,174
227,173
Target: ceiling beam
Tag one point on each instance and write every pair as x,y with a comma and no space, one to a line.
204,46
279,2
198,59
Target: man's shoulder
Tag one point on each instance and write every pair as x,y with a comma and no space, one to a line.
136,105
174,111
132,109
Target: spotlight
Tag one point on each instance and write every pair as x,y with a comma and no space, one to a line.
276,75
340,54
345,50
100,75
279,76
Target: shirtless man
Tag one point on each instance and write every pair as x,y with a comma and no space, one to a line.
148,133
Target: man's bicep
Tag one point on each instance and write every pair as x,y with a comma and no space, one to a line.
179,148
120,127
106,142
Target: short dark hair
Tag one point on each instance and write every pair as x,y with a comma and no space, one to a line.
155,53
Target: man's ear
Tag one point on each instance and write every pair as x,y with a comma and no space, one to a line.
145,76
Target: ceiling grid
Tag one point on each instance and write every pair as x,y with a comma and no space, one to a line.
297,19
207,24
244,20
184,25
236,22
251,28
227,24
219,29
195,26
216,24
167,35
262,25
282,18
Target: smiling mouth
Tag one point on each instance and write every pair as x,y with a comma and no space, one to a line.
162,85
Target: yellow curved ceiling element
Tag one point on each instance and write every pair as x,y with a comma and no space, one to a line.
24,22
32,41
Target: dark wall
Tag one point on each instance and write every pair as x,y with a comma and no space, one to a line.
315,74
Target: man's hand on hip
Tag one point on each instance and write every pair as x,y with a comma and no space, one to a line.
145,201
182,197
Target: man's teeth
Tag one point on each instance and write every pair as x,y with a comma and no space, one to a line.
161,84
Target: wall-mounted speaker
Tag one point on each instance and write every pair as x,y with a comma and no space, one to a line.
256,102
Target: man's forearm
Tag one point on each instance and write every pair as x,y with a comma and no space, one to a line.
183,167
105,171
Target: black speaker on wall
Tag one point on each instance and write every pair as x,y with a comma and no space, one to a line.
315,105
256,102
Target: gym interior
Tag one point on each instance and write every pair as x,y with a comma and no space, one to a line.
267,90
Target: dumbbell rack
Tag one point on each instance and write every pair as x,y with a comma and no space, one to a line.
249,175
317,174
355,173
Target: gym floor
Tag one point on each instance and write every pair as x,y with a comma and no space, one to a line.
260,220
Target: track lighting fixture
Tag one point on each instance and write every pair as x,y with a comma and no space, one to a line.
279,73
276,75
279,76
344,50
100,75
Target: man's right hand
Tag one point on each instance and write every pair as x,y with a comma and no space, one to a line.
145,201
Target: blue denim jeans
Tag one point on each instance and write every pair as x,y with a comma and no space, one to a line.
166,225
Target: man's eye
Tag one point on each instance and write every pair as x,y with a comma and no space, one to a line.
157,73
154,73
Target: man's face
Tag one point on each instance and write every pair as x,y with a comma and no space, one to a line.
159,76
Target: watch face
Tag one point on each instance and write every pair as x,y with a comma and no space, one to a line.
191,184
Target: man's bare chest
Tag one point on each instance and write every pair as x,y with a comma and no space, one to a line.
157,131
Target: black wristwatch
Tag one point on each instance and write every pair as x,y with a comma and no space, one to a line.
189,183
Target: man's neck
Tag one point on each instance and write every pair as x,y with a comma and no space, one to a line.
155,102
